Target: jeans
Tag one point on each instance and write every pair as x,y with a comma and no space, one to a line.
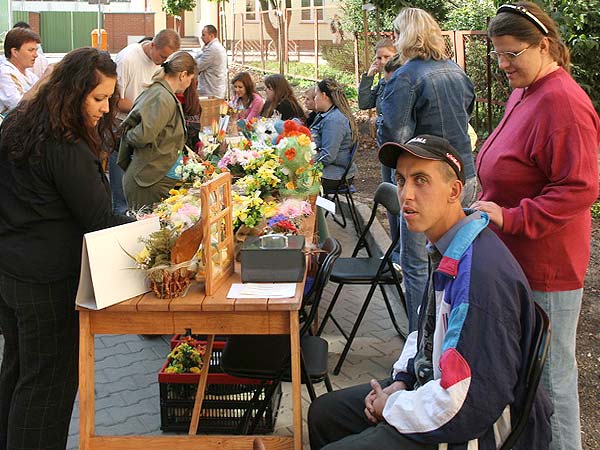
115,174
414,262
560,372
388,176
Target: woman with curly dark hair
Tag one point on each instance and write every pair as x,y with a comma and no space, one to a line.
53,191
281,98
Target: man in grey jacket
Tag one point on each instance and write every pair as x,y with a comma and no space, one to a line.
212,65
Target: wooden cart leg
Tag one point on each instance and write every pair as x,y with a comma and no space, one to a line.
87,412
201,386
296,379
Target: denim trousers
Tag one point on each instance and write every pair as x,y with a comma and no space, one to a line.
115,175
388,176
560,372
414,262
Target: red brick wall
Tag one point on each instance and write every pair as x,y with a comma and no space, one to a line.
120,25
34,21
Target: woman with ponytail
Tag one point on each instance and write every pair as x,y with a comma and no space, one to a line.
154,133
539,176
334,131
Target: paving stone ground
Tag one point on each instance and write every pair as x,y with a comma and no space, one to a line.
127,390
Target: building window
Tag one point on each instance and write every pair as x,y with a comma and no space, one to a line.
307,14
251,7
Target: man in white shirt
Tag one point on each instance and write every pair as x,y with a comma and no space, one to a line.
16,76
212,65
136,64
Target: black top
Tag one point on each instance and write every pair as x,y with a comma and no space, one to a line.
46,208
288,110
311,118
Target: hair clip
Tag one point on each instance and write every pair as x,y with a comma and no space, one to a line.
524,12
164,64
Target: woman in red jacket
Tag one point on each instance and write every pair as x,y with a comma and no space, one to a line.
539,176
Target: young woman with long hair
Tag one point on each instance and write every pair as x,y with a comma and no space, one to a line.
334,131
53,191
281,98
154,133
246,100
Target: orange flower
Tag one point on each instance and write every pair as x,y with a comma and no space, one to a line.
290,153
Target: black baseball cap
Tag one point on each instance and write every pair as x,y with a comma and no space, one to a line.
424,146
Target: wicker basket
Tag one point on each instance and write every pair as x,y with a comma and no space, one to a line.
210,111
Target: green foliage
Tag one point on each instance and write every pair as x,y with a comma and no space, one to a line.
596,210
174,7
579,25
381,19
470,15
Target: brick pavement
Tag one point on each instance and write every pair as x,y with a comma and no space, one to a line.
127,392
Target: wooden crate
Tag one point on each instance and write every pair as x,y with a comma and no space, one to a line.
217,224
210,111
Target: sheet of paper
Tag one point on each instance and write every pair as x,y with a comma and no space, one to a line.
326,204
262,290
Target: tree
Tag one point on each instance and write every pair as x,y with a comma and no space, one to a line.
176,7
270,28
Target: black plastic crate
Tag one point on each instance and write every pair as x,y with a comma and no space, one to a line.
222,409
226,399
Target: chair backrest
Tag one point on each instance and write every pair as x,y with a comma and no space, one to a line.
332,251
537,358
343,181
387,196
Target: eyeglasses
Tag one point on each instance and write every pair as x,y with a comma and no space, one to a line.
509,56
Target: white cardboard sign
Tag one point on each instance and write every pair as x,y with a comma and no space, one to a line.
108,275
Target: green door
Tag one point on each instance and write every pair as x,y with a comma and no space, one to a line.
61,32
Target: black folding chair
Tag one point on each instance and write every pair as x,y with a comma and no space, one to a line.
345,188
267,358
539,352
371,270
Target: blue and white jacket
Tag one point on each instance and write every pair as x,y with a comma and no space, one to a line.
477,341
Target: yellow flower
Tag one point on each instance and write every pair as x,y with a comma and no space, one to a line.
303,140
290,185
141,257
300,170
194,369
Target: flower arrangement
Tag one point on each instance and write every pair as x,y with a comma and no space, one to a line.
195,171
250,210
186,357
302,175
169,273
288,217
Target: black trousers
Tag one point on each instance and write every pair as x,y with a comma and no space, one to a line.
38,377
336,421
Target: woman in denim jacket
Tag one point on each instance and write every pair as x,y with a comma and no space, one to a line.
428,94
335,133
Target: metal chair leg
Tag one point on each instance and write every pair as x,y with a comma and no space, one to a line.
308,381
244,424
388,305
329,309
353,213
359,318
269,392
328,384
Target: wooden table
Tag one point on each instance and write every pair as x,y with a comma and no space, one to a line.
204,315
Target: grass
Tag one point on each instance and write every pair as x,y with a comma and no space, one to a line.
302,75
